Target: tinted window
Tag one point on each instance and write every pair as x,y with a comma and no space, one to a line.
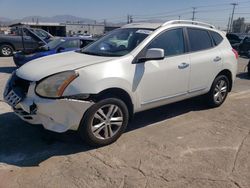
84,43
171,41
71,44
217,38
199,39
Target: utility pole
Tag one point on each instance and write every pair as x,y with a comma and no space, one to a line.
131,19
232,17
194,11
228,25
128,19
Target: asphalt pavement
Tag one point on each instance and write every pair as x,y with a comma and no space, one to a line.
179,145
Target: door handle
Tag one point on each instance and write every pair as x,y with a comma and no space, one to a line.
183,66
217,59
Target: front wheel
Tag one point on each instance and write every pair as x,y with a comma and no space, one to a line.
218,92
6,50
104,122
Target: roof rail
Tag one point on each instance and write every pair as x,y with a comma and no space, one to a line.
188,22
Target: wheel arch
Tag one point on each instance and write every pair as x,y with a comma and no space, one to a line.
7,43
116,93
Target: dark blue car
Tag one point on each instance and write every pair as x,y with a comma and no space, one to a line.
58,45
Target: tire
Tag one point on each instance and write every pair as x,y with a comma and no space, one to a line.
248,69
6,50
105,130
218,92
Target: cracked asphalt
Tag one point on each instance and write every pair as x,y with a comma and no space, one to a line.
179,145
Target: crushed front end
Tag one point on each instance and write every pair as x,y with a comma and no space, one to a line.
58,115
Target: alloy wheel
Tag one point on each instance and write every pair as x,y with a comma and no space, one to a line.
220,91
107,121
6,51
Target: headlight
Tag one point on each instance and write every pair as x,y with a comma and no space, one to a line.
54,86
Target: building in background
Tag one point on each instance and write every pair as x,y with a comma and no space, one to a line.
4,30
73,29
240,26
70,28
56,29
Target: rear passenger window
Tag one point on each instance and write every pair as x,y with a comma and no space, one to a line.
199,39
217,38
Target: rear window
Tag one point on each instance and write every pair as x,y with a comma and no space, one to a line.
199,39
217,38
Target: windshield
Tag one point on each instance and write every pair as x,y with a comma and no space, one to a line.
118,43
54,43
41,33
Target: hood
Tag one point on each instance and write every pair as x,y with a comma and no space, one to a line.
37,69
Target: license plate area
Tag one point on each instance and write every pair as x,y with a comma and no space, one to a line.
12,98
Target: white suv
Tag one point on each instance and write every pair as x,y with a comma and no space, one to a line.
137,67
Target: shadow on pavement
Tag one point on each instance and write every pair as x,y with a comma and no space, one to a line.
22,144
8,70
166,112
243,75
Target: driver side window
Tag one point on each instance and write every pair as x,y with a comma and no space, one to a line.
172,42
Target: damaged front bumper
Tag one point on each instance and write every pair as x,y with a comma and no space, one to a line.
58,115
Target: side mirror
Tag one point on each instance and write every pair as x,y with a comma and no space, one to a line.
61,49
152,54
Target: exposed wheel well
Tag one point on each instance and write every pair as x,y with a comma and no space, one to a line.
117,93
228,74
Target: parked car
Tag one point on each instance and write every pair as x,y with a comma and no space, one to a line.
55,46
97,90
244,46
23,39
234,40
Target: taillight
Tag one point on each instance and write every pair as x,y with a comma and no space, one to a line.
235,53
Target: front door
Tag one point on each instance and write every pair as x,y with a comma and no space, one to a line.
162,80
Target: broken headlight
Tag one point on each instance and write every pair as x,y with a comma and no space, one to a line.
55,85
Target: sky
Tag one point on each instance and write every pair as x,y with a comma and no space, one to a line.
212,11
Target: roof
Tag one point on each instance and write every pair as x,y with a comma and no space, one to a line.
172,22
36,24
143,25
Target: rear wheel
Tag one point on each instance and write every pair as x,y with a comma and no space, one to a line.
104,122
248,69
218,92
6,50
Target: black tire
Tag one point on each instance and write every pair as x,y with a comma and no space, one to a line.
248,69
211,98
86,126
6,50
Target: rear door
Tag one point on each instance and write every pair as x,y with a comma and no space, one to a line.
205,58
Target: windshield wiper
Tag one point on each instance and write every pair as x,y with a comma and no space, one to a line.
91,53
